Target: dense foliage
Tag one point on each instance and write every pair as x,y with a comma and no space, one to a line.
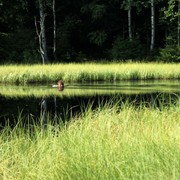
86,30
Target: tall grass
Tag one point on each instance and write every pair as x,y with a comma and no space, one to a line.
107,143
88,72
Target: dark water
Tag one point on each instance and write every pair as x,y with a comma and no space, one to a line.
39,101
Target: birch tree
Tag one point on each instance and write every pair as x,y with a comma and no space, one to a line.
42,33
127,4
152,26
178,26
54,29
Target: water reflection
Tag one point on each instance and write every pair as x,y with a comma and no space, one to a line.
44,112
89,89
42,101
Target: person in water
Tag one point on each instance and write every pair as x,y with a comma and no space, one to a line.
60,85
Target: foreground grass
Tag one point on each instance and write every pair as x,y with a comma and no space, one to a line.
101,144
88,72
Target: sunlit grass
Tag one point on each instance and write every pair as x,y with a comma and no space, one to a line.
88,72
107,143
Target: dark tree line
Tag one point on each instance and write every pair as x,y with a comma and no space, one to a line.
82,30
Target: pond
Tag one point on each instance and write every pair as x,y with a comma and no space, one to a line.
41,99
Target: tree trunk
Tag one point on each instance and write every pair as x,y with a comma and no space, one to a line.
54,40
152,26
178,23
129,24
43,33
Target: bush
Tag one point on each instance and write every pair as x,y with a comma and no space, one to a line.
125,49
31,56
170,54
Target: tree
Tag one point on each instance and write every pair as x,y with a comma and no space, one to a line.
152,26
97,11
17,32
172,19
54,29
87,28
127,5
178,23
42,33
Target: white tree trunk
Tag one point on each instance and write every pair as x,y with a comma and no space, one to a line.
152,26
43,33
178,23
54,40
129,24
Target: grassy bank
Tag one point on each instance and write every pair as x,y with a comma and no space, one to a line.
88,72
101,144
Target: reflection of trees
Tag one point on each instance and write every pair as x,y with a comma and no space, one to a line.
44,112
55,109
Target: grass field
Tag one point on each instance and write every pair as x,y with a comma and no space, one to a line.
107,143
22,74
132,143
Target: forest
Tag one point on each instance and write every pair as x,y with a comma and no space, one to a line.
52,31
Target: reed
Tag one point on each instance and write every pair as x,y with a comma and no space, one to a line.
107,143
23,74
